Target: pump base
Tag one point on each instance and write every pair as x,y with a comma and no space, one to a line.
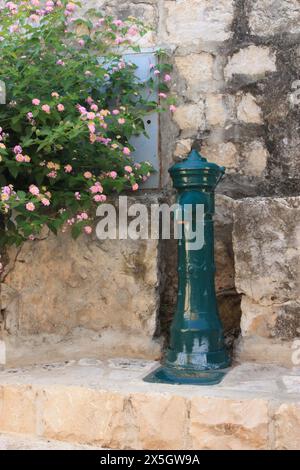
165,375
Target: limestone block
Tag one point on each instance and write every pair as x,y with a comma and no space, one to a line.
216,113
248,110
255,158
226,424
183,147
197,71
224,154
267,249
169,411
268,17
82,415
190,117
287,426
58,284
254,61
192,21
17,409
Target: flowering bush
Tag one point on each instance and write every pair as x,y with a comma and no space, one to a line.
72,106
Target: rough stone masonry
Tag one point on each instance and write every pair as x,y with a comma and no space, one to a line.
236,66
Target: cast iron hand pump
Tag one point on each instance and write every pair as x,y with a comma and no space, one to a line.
197,353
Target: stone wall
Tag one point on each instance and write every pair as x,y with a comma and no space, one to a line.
236,63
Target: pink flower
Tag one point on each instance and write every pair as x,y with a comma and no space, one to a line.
92,127
60,107
46,108
71,6
30,206
119,40
29,116
97,188
68,168
35,3
167,78
77,195
91,116
45,202
36,102
60,62
115,112
81,42
81,109
89,100
137,166
162,95
34,18
121,121
133,30
118,23
135,187
52,174
128,169
87,175
84,216
94,107
20,158
54,94
113,174
172,108
88,229
99,198
156,72
18,149
126,151
34,190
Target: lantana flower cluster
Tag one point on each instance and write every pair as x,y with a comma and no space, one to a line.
73,104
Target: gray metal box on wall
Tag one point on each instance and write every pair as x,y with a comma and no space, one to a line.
147,149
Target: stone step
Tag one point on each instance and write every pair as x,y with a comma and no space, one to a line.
23,442
106,404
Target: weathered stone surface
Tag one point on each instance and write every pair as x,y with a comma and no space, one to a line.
24,442
197,71
254,61
254,158
107,404
183,147
192,21
287,426
267,249
216,113
61,287
267,253
167,410
248,110
269,17
62,283
102,422
18,409
190,118
223,424
224,154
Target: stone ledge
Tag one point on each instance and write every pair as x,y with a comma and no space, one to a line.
106,404
21,442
